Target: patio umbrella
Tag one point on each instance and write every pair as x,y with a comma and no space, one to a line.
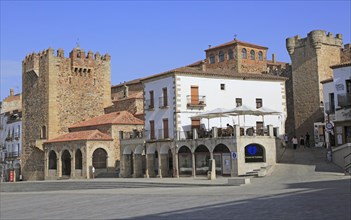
267,111
215,113
243,110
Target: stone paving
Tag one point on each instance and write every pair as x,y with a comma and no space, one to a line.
302,186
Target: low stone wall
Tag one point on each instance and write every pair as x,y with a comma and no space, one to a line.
339,153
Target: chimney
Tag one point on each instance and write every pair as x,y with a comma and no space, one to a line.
12,93
273,58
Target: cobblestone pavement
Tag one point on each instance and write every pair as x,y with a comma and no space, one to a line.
302,186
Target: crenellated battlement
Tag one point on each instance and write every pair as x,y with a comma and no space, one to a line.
316,38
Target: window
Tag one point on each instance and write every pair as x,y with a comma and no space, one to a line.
348,86
151,105
222,86
221,56
165,98
260,56
239,102
43,132
152,130
212,59
195,124
165,128
252,55
331,103
243,53
258,103
230,54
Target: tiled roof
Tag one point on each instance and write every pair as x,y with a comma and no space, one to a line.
327,80
134,81
219,73
341,65
82,135
270,62
121,118
237,42
13,98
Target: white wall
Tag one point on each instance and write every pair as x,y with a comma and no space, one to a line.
160,113
340,76
269,91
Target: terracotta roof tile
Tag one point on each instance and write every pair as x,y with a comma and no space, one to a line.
122,118
82,135
12,98
341,65
237,42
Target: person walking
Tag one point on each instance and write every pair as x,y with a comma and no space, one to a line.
286,139
302,142
307,139
294,142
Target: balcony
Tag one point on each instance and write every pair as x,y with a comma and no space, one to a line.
344,100
12,154
149,105
196,101
163,102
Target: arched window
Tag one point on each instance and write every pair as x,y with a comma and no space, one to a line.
221,56
230,54
260,56
43,132
252,55
78,159
212,59
52,160
243,53
100,158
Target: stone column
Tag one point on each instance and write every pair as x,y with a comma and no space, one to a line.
270,130
46,165
176,165
73,165
193,162
159,165
59,166
137,166
236,130
164,165
211,155
150,163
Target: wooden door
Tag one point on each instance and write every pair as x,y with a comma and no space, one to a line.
194,95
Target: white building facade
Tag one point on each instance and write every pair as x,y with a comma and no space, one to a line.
175,143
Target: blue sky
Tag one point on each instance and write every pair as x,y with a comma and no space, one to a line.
149,37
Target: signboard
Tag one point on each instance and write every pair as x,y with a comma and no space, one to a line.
234,155
329,126
254,153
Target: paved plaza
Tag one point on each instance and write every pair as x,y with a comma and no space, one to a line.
302,186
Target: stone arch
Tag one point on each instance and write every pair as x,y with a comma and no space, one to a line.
78,159
221,155
185,161
139,150
66,163
127,150
202,157
52,160
164,149
255,153
100,158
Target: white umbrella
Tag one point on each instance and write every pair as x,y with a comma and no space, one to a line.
215,113
243,110
267,111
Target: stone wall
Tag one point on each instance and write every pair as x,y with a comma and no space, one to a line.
311,58
59,91
345,53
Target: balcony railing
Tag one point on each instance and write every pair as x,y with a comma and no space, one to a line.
135,134
196,101
163,102
163,134
11,154
344,100
149,104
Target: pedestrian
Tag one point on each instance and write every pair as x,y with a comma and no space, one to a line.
294,141
302,142
286,139
307,139
93,171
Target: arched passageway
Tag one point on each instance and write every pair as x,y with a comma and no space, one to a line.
185,161
52,160
221,155
202,157
79,160
100,158
66,163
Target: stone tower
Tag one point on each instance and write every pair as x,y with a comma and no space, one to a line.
58,92
311,59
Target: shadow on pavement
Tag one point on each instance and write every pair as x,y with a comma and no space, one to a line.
310,200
